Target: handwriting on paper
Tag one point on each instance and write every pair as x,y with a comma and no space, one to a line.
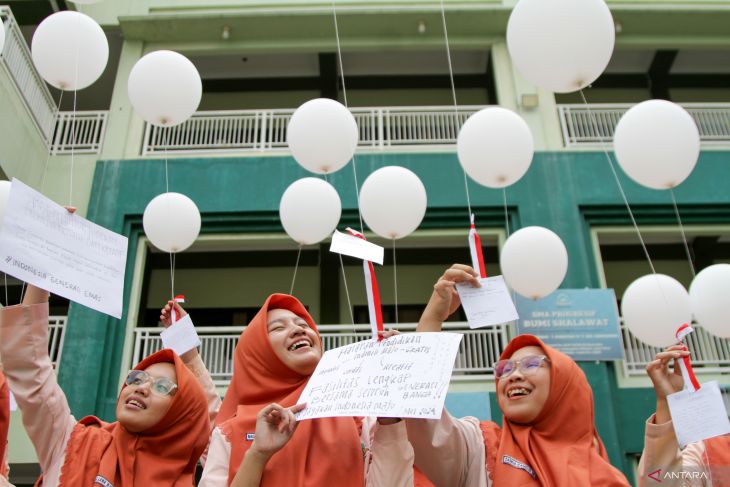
487,305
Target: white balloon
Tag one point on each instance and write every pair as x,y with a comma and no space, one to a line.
709,293
393,202
657,144
171,222
70,50
653,307
310,210
165,88
322,135
561,45
495,147
534,261
4,195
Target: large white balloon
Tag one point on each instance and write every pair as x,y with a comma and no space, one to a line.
393,202
495,147
561,45
171,222
70,50
657,144
310,210
4,195
709,296
534,261
165,88
322,135
653,307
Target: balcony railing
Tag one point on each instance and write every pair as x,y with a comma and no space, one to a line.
478,351
56,326
82,133
710,354
18,62
594,124
265,130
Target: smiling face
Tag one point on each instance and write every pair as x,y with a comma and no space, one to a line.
293,341
522,396
138,408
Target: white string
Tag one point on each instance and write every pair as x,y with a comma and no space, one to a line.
681,229
73,144
506,215
453,96
296,266
172,275
395,283
164,145
347,293
50,130
618,181
344,98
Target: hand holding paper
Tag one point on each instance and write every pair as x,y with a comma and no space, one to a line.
489,304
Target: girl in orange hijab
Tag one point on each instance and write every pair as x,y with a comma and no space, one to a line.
548,435
162,429
273,361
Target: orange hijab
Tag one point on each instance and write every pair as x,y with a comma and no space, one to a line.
718,460
323,451
558,446
165,455
4,423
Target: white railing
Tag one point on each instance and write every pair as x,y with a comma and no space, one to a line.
18,62
56,327
594,124
478,351
710,354
81,133
265,130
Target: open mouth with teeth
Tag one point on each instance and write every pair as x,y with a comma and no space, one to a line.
135,404
299,344
517,392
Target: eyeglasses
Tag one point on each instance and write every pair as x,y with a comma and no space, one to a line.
162,386
527,365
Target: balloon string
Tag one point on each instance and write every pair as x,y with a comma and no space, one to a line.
684,237
164,145
53,122
296,267
506,214
395,283
456,105
172,276
594,120
344,97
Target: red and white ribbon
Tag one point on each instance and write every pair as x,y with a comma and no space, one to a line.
475,246
173,314
685,366
371,288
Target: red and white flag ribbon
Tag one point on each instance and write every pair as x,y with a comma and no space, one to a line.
475,246
173,314
690,380
371,288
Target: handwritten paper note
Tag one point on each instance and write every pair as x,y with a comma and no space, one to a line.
698,415
45,245
406,376
488,305
181,336
356,247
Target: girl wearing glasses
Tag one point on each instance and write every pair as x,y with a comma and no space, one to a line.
548,436
162,425
255,443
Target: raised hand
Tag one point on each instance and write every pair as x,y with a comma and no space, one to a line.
666,382
165,313
444,299
275,425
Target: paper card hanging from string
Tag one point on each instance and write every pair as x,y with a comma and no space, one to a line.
698,412
356,246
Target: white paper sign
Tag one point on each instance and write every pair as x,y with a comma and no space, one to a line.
698,415
45,245
406,376
181,337
356,247
13,404
488,305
